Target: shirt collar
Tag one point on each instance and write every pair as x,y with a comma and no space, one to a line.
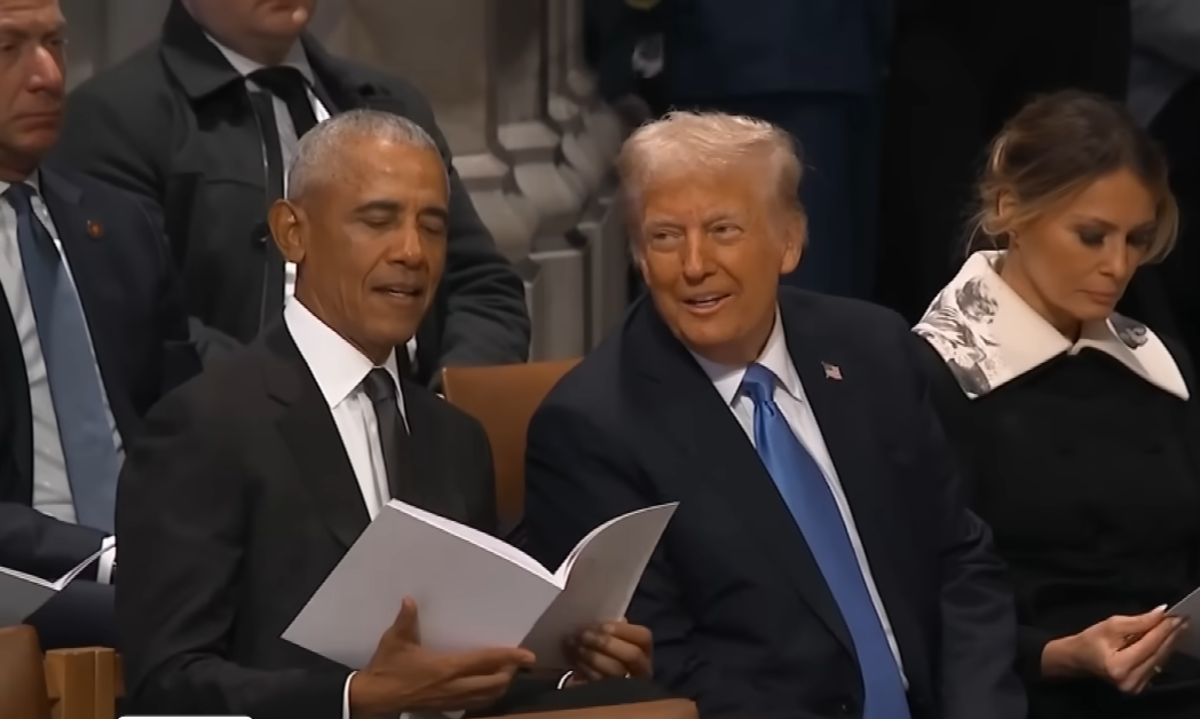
337,366
34,181
775,357
989,336
245,66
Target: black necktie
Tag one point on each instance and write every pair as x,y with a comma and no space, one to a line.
289,85
393,435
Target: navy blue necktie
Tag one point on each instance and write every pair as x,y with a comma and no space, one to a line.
807,495
75,389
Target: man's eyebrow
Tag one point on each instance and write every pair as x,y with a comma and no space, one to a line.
390,206
440,213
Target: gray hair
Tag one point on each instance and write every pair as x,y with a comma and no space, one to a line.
319,152
682,143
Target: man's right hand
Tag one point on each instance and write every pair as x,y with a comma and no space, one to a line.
403,676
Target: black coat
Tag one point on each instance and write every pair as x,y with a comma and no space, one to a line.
174,124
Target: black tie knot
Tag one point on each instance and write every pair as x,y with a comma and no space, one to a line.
286,83
380,386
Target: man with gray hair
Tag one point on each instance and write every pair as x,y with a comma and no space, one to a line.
822,562
252,481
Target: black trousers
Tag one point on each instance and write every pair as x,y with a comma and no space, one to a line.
528,695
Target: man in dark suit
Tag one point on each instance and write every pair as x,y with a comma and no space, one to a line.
251,482
821,562
202,125
814,68
92,332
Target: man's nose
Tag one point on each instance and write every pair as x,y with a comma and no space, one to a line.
44,71
695,260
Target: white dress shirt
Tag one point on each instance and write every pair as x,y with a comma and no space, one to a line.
288,141
789,395
51,487
339,370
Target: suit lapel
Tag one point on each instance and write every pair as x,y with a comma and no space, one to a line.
308,428
425,483
693,413
16,416
841,406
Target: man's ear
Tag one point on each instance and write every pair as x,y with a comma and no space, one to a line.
286,222
795,239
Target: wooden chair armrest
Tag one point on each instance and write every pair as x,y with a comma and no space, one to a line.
666,709
84,683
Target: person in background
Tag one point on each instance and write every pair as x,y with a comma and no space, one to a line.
92,333
815,69
252,481
957,71
1075,425
1164,96
821,561
202,126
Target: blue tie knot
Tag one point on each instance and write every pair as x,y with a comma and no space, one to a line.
20,196
759,385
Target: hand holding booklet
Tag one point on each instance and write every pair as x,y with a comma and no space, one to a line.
473,591
23,594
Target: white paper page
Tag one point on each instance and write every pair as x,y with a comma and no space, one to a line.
468,597
23,594
482,539
1188,609
602,578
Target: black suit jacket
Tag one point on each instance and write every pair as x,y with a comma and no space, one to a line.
743,621
234,507
174,124
134,309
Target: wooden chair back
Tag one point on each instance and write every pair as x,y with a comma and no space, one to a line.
503,398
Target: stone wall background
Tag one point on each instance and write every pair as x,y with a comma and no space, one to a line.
531,141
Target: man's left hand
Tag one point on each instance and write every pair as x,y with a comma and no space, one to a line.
613,650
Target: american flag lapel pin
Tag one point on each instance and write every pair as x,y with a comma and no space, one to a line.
832,371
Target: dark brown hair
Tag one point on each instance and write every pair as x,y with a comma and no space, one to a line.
1054,148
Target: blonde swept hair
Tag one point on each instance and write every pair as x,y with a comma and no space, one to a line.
682,143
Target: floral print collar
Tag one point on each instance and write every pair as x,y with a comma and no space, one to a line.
989,336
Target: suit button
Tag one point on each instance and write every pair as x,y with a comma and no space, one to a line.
846,708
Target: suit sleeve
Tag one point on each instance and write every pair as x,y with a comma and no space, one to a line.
121,136
577,478
487,321
1168,29
184,508
979,626
37,544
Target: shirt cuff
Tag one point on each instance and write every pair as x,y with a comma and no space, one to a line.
346,697
108,560
562,683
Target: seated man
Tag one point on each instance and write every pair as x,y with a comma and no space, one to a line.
202,124
252,481
821,562
92,333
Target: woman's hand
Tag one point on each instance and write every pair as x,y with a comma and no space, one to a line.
1127,652
617,649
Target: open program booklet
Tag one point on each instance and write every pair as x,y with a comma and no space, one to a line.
22,594
473,590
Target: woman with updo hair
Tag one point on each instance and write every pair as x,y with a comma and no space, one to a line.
1078,435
